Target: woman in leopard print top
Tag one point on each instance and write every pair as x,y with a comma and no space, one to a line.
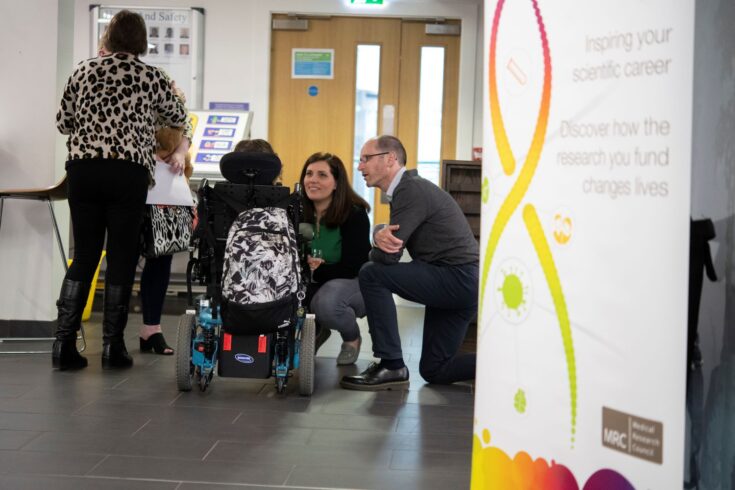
109,109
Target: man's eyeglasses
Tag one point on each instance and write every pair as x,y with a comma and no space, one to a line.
365,158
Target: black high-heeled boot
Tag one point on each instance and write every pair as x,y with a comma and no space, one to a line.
114,353
72,298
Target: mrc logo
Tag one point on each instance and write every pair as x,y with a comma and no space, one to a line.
615,439
633,435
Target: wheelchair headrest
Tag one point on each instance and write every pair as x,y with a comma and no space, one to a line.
250,168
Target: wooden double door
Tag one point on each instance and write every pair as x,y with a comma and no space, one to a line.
309,115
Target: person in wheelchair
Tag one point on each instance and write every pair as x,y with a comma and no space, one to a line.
251,322
258,146
340,246
254,273
258,156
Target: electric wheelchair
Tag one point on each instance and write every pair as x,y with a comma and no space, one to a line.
243,341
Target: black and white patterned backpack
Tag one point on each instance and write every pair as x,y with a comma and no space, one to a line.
261,272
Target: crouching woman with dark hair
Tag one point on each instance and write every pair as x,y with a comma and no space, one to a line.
340,246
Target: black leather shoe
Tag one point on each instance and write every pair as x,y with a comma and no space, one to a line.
156,343
72,298
66,356
114,320
376,378
115,355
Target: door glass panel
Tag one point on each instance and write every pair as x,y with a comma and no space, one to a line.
431,101
367,87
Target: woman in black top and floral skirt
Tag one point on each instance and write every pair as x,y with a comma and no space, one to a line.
109,109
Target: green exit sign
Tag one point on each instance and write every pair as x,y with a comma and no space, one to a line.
366,2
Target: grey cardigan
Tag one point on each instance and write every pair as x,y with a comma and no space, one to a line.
432,226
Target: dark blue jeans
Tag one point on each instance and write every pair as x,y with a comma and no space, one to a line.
450,296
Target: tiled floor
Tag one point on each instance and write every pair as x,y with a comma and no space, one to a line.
133,430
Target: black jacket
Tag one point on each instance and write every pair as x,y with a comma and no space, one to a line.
355,233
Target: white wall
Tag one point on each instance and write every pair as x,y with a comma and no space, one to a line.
237,47
31,268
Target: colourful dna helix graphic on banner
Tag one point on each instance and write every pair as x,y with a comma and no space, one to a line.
513,200
492,468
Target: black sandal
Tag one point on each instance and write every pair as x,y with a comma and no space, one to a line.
157,343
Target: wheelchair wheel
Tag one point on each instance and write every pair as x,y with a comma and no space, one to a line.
204,381
280,385
184,367
306,356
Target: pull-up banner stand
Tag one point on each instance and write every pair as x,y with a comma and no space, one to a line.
585,245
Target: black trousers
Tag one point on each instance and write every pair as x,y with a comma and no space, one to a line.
106,196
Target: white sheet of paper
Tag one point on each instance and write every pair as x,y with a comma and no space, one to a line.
170,188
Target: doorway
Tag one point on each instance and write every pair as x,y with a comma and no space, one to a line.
369,76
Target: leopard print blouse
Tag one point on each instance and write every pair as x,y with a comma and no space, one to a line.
111,106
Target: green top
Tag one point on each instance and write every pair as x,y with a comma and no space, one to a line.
329,241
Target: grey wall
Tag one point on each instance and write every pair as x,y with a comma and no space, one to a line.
713,196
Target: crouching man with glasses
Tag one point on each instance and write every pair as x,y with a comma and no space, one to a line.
443,275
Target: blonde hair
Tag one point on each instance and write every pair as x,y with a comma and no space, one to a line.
167,140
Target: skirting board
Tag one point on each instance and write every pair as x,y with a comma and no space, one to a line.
27,328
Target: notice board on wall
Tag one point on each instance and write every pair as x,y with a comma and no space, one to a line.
584,245
175,43
216,133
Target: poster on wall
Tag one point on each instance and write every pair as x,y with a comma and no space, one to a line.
312,63
175,43
215,133
584,247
